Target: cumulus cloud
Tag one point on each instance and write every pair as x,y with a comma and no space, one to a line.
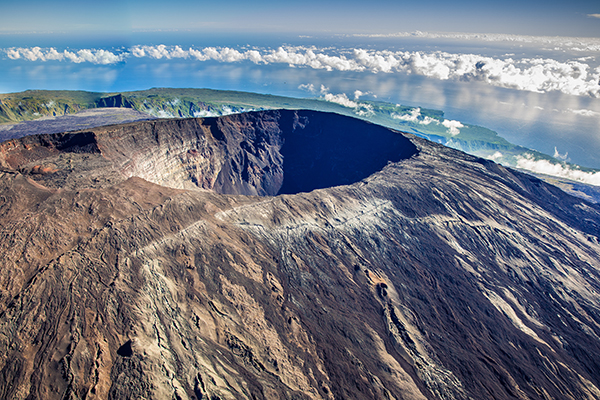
225,110
558,156
360,109
364,110
340,99
51,54
309,87
160,113
574,77
529,163
359,93
414,115
224,54
453,126
584,112
496,156
159,52
594,15
557,42
206,113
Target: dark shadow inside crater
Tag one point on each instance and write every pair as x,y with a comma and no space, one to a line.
322,150
286,152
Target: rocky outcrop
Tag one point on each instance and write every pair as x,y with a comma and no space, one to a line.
142,264
117,100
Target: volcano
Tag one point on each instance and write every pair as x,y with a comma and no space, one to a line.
288,255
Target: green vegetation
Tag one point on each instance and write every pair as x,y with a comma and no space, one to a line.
33,104
183,103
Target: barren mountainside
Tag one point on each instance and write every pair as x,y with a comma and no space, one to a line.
288,255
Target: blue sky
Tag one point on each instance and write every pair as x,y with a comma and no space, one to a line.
554,18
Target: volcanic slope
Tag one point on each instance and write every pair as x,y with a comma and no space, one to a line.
288,255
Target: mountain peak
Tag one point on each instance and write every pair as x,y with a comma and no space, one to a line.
156,260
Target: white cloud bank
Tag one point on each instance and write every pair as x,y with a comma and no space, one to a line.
496,156
540,75
414,115
360,109
94,56
453,126
564,171
583,112
579,44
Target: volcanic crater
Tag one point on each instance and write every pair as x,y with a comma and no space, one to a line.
261,153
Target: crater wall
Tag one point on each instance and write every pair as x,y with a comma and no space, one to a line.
262,153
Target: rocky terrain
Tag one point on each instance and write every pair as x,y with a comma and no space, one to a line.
84,119
288,255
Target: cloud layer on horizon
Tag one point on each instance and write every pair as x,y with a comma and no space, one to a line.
541,75
576,44
528,162
415,116
95,56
